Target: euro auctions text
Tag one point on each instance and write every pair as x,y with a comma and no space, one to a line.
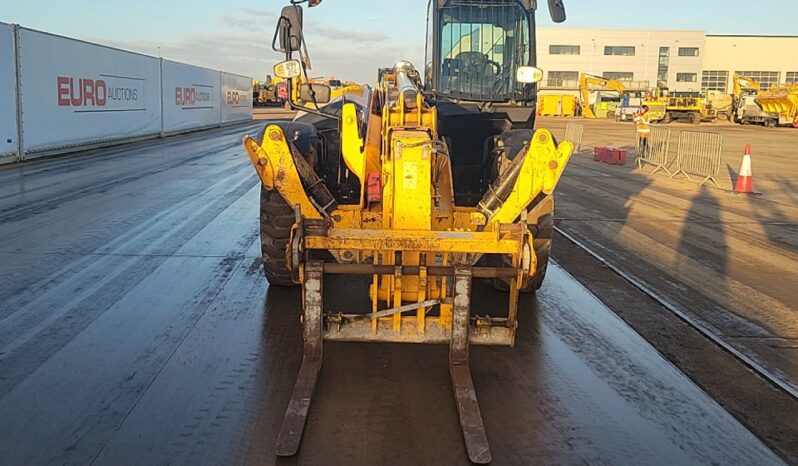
111,92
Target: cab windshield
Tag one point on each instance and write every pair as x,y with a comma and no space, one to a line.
482,45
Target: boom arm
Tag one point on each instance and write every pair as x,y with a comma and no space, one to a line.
586,80
744,84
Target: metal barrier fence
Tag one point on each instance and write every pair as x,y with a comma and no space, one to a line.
573,134
655,152
699,154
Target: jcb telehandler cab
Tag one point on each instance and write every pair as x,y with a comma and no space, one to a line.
421,183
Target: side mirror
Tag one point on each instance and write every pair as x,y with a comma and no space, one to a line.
528,75
557,10
320,93
289,29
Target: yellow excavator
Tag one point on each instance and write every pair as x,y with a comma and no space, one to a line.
585,83
745,110
743,85
421,183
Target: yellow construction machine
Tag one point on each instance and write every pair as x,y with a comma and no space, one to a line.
585,83
266,92
781,101
743,85
688,106
419,186
745,109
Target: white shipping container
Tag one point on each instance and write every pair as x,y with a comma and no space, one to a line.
191,97
8,95
236,98
76,93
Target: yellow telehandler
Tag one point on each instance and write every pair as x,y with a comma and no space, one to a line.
422,183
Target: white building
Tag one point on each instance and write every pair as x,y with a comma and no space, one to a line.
767,59
680,60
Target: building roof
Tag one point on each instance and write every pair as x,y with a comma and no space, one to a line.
764,36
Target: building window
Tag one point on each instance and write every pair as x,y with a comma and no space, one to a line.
688,51
764,78
662,66
619,50
619,75
563,79
792,77
564,50
715,81
686,77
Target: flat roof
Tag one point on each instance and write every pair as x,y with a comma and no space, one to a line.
707,34
575,28
766,36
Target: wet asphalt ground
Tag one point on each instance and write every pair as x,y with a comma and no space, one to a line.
728,261
136,328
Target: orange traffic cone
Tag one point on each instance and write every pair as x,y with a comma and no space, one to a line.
745,180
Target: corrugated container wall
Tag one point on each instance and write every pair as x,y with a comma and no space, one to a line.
236,98
191,97
74,93
8,95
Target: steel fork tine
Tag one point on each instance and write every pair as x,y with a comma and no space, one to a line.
297,412
476,440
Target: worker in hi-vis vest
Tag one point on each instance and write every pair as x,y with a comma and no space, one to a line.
643,121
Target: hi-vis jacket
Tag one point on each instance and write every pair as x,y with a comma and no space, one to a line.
643,125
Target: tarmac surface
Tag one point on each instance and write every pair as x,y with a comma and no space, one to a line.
136,328
727,260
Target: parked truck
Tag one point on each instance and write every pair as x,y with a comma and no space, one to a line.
633,101
782,101
749,112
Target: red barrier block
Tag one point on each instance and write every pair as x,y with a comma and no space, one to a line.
616,157
609,155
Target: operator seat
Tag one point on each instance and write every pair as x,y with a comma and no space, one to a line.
476,70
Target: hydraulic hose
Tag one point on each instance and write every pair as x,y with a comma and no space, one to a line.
502,186
314,186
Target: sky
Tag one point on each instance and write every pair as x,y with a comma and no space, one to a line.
348,39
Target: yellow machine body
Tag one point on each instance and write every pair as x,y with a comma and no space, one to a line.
416,225
394,214
781,100
586,82
557,105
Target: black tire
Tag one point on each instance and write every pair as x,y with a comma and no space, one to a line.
542,234
276,219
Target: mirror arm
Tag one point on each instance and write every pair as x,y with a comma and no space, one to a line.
304,59
317,111
277,30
